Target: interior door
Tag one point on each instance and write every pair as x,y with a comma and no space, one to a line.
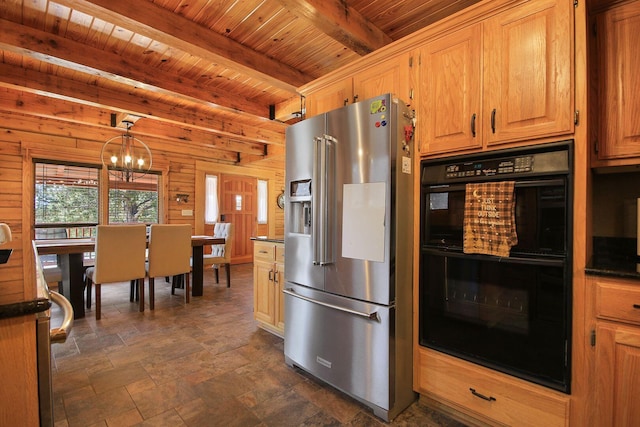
238,205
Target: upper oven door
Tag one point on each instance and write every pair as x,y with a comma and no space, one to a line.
541,216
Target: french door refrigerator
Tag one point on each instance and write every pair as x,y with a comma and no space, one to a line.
348,239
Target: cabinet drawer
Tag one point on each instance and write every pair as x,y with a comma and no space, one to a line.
618,301
279,253
263,251
487,395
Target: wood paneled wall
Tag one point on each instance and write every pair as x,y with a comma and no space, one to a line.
24,138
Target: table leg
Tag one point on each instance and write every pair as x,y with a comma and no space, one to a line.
198,271
72,281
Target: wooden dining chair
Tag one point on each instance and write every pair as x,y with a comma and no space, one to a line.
169,255
120,257
221,254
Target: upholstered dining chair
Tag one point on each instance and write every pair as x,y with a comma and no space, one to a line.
221,254
169,255
120,257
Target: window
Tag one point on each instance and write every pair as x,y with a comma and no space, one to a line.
134,201
211,210
66,196
263,196
65,203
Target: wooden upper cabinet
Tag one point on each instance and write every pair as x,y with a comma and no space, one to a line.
390,76
330,97
508,78
528,80
449,111
618,39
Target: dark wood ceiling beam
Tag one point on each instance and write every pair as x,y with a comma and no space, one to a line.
177,31
70,54
341,22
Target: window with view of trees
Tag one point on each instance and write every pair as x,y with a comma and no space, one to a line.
66,194
134,201
67,198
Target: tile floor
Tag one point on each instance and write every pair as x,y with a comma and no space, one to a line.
206,364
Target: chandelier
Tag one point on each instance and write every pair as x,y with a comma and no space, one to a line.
126,157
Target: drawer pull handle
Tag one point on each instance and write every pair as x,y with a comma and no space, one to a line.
264,252
482,396
636,306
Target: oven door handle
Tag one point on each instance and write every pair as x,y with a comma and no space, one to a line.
59,335
558,262
438,188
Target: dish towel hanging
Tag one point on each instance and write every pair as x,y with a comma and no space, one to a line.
489,218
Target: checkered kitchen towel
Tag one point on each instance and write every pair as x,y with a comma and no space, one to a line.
489,218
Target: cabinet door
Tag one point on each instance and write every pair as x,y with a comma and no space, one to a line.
334,96
618,40
528,63
617,375
263,304
391,76
449,109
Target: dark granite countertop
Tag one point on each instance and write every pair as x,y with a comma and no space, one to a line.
268,239
614,257
628,271
24,308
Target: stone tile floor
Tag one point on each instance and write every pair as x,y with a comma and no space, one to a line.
205,364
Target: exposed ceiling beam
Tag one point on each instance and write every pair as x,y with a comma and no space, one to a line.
31,81
70,54
177,31
341,22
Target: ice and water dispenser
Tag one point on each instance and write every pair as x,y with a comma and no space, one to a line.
300,205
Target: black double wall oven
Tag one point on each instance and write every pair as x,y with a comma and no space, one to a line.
511,314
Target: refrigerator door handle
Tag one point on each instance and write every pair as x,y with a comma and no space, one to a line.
316,198
322,199
370,316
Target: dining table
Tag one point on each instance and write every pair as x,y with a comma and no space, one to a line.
70,254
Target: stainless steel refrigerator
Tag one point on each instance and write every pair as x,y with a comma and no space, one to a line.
348,240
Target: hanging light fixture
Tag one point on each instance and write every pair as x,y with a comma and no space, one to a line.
126,157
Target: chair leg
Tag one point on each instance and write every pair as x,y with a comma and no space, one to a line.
88,283
187,289
141,293
216,268
228,268
98,301
152,293
132,291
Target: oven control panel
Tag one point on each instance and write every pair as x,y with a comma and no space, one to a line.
490,167
529,162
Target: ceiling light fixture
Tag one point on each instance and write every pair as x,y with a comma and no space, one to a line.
126,157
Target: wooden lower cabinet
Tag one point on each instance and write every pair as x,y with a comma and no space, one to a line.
485,396
617,351
268,282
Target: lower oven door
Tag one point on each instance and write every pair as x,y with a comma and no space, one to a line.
509,314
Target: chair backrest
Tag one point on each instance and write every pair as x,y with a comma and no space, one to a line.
224,230
169,249
120,253
51,233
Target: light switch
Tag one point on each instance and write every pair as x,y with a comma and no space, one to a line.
187,212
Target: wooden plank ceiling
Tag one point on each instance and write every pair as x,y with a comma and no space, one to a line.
197,72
